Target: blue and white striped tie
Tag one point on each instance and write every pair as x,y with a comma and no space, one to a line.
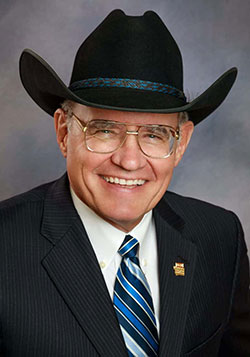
133,303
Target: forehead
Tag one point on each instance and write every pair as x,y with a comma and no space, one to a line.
88,113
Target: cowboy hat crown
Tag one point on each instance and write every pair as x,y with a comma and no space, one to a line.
128,63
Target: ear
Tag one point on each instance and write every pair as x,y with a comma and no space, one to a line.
61,130
186,131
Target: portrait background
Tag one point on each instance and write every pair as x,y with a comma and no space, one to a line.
212,35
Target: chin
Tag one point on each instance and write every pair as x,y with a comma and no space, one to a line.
125,219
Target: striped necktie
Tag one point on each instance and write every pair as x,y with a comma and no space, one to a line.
133,303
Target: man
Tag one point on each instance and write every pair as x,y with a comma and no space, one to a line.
104,261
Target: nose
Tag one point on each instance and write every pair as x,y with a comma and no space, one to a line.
129,156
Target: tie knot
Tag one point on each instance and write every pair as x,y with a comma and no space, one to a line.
129,247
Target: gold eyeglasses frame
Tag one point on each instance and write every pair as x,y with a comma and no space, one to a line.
128,132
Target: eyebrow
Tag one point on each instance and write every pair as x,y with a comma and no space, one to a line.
124,123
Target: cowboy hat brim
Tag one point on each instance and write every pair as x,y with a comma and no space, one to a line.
48,91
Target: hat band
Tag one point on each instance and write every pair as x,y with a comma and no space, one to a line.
127,83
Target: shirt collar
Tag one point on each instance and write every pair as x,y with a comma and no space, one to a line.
105,238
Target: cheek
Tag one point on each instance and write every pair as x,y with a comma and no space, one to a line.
164,180
76,160
77,154
83,165
163,171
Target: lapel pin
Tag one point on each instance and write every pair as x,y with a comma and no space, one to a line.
179,269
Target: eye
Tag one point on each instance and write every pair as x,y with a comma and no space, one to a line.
155,134
104,130
101,131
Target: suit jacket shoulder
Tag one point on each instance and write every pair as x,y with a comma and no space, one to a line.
34,195
206,220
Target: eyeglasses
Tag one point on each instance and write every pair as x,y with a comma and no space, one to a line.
105,136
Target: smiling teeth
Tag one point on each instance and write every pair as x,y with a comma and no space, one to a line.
124,182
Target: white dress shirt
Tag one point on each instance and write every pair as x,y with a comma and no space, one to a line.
106,240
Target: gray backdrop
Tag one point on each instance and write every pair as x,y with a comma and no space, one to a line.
213,36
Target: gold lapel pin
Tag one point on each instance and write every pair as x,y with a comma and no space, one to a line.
179,269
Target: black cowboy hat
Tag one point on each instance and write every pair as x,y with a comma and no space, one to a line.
128,63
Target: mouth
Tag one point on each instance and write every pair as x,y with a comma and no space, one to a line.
123,182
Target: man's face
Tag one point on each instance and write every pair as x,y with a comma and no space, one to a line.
121,205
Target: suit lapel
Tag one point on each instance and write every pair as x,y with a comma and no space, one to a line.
174,290
73,268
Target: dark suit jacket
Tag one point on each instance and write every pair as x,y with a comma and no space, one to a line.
54,301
